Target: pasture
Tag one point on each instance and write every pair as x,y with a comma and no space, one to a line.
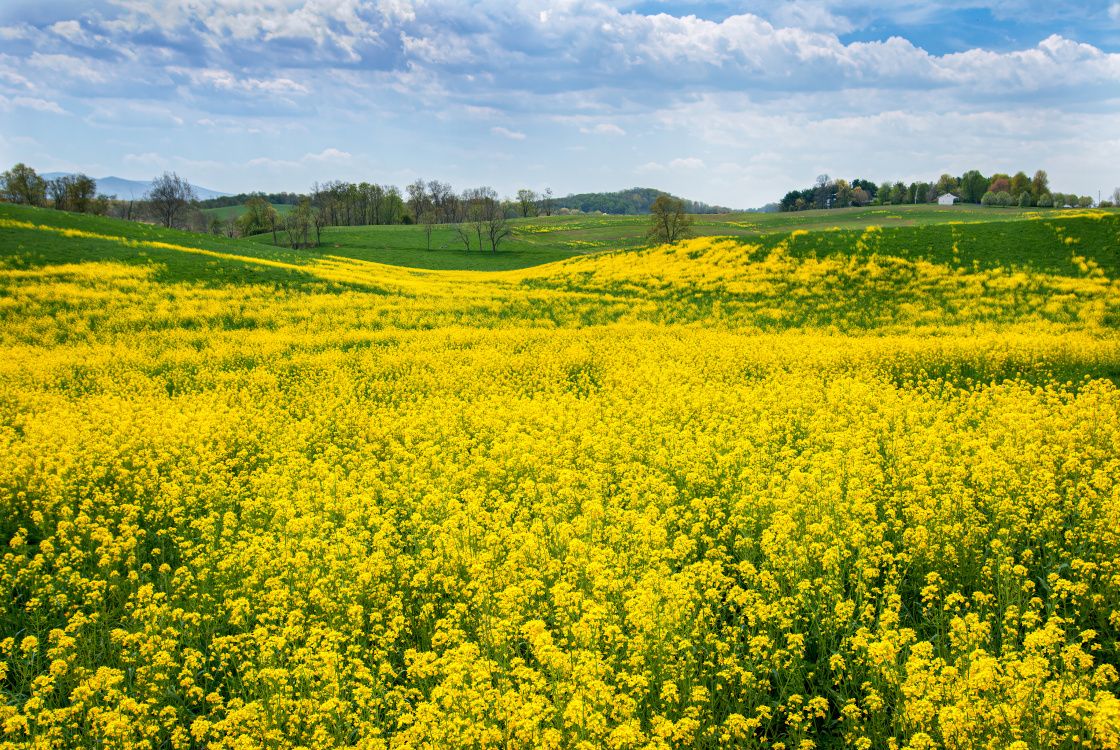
835,480
546,239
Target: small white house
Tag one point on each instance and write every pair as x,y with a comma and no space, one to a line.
947,200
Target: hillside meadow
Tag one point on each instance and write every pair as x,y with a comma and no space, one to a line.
845,482
537,240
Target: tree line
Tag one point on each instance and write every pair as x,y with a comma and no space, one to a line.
22,184
630,202
171,201
971,187
479,216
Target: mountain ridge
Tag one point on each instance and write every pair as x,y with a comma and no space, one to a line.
124,188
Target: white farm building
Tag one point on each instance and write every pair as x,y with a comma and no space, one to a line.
947,200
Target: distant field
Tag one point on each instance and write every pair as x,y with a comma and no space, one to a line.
225,213
546,239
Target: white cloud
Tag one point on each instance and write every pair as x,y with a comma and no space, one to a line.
513,135
29,102
70,30
224,80
754,87
123,113
328,155
604,128
12,33
807,14
69,66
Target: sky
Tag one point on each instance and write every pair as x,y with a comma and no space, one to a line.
729,103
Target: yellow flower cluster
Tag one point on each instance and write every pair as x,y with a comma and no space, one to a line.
711,495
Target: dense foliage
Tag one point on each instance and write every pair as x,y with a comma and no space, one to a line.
632,201
853,488
971,187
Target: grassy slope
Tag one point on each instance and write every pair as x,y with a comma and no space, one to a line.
26,248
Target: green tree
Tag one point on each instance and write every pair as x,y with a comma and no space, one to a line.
946,184
1000,183
1025,199
80,190
1020,184
1040,184
668,221
259,216
883,194
527,202
22,184
899,193
973,186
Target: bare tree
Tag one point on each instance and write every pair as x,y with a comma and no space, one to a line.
319,219
546,202
668,221
298,224
476,209
497,225
429,218
463,233
169,197
272,216
417,198
57,190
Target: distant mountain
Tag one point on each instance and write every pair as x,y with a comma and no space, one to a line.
134,189
632,201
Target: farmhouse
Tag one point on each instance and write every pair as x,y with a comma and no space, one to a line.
947,200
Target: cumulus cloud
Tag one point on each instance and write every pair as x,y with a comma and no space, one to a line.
726,75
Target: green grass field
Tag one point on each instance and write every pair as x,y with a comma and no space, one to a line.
224,213
547,239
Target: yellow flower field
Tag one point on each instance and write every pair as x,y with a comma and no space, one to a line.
723,494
